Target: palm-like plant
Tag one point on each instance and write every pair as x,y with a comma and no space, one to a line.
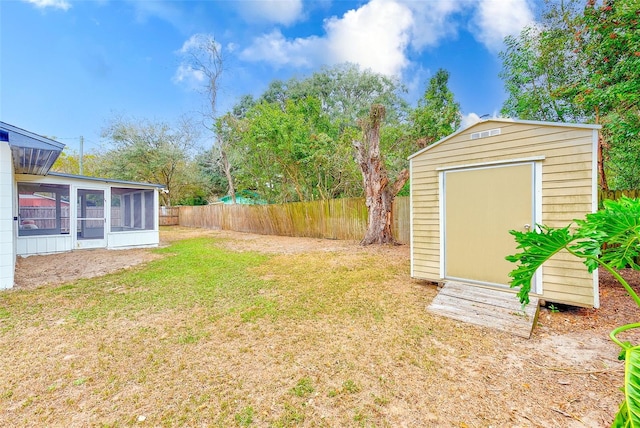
609,238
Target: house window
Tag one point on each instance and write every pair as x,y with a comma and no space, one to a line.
132,209
43,209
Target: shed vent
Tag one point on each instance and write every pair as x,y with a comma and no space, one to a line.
483,134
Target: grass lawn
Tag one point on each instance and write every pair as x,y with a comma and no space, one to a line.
209,336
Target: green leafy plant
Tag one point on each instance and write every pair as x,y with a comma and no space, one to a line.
303,387
553,308
609,238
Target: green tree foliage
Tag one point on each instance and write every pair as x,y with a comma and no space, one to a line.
437,114
294,142
153,152
208,166
582,63
346,93
69,162
617,226
288,154
610,45
540,63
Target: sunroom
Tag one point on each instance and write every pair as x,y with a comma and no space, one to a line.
63,212
44,212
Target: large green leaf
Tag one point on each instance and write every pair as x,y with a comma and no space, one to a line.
629,413
537,247
618,224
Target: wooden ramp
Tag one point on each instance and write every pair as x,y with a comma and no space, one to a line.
487,307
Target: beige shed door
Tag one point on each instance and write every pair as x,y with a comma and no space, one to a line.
481,206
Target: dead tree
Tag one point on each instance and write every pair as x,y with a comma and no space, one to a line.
379,193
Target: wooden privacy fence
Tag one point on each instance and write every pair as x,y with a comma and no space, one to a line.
169,216
328,219
616,194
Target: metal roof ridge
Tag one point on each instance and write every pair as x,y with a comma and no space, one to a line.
31,135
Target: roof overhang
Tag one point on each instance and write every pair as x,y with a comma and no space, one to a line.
110,181
32,153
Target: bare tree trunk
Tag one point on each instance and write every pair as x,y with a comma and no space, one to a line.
604,185
379,193
227,172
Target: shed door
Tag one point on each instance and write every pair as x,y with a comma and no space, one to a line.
481,206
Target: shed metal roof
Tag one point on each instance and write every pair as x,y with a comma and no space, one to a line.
507,120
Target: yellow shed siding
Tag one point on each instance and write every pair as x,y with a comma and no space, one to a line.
566,155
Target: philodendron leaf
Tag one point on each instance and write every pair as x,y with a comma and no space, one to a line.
618,224
537,247
629,414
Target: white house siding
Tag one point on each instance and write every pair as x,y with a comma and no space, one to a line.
43,244
568,192
146,238
7,246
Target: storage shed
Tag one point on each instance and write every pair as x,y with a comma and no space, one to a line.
44,212
470,188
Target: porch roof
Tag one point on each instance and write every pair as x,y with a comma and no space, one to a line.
32,153
106,180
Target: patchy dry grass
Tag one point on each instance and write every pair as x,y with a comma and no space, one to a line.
211,336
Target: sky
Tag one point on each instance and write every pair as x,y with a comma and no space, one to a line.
68,67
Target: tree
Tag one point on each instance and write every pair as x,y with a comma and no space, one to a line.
204,56
208,168
437,114
347,93
610,48
153,152
539,63
285,150
379,192
582,64
69,162
323,109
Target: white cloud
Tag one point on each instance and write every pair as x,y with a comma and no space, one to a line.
186,73
434,20
284,12
191,52
375,36
468,120
56,4
496,19
381,33
167,11
196,41
274,48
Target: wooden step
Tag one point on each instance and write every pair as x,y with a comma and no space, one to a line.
487,307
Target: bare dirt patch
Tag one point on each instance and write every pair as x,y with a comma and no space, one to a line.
566,375
52,269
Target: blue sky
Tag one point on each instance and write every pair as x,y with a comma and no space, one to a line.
67,67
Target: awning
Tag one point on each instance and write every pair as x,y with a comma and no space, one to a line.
32,153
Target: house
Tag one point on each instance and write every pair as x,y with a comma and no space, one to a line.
43,212
470,188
